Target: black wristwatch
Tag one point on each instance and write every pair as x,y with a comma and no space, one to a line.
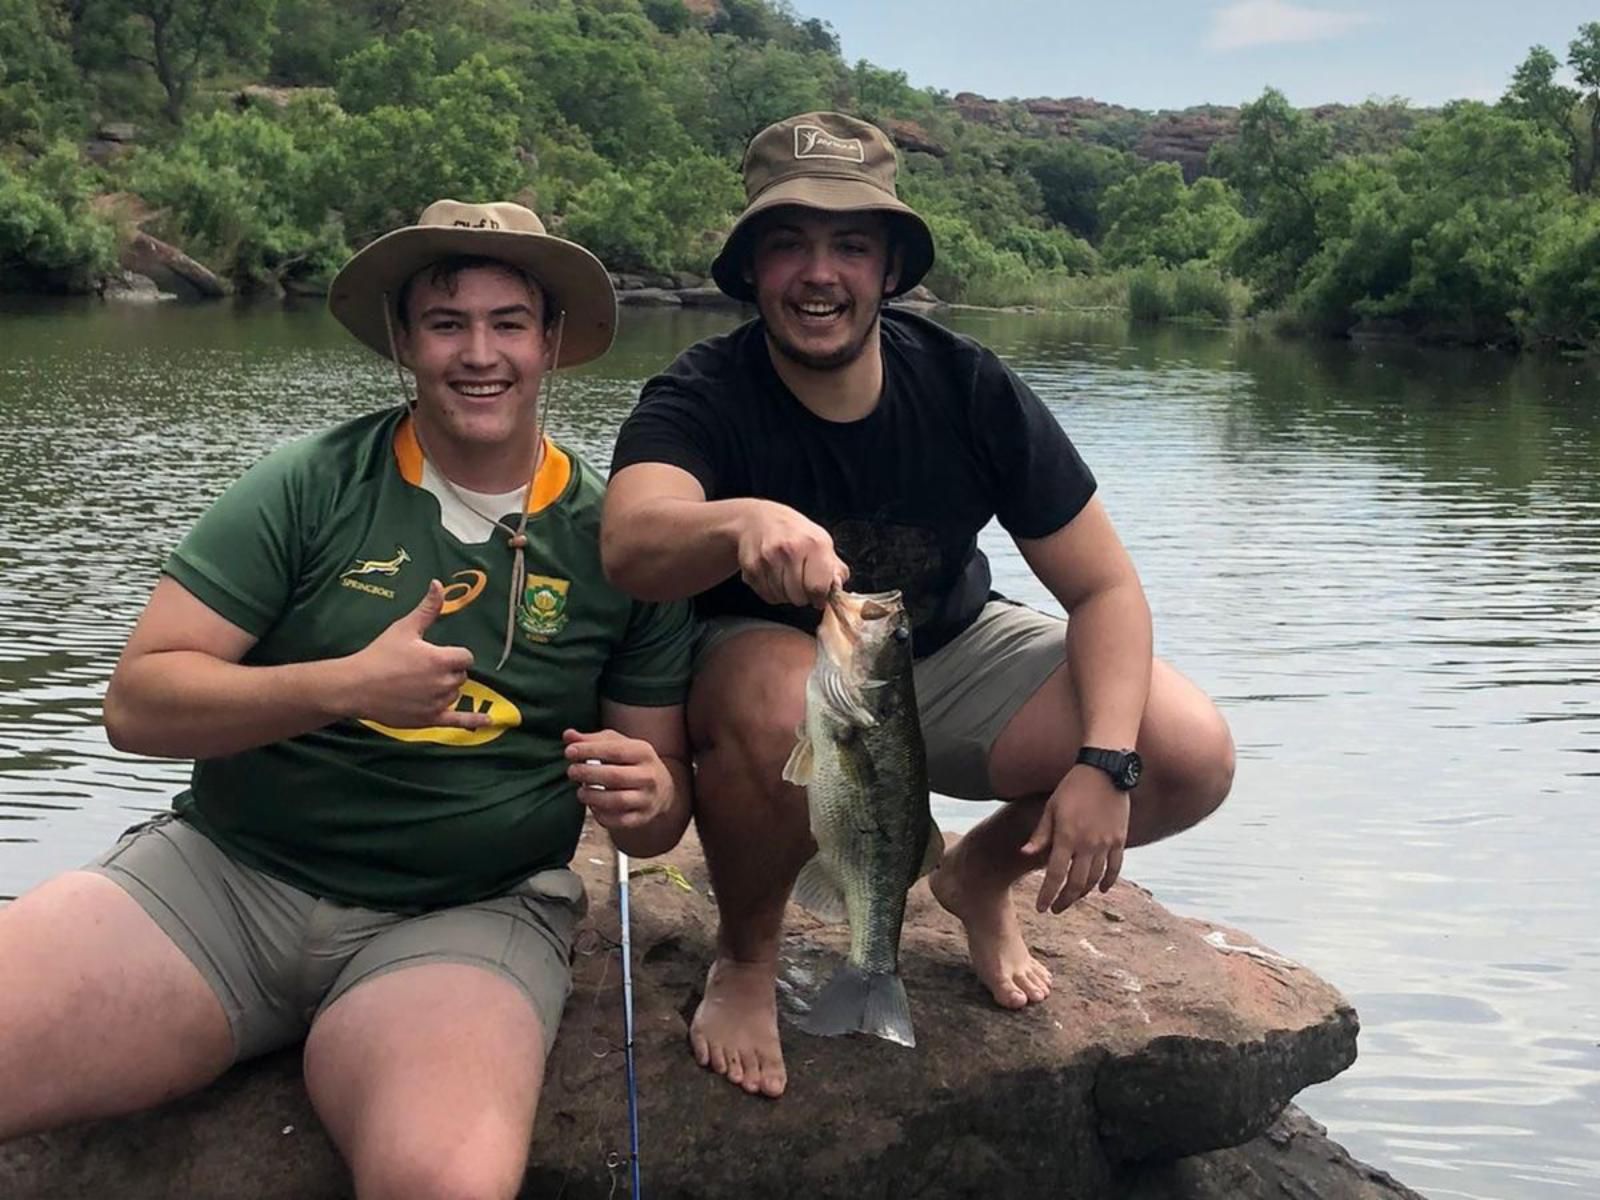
1124,766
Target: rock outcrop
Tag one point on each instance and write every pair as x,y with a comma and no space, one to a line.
1164,1038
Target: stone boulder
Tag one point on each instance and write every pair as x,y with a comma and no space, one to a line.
130,288
910,136
1164,1037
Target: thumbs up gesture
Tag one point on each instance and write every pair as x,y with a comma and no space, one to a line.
408,682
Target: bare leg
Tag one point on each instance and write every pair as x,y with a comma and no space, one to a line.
743,711
1188,755
104,1015
427,1079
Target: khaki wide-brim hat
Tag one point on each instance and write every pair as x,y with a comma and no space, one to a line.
574,280
828,161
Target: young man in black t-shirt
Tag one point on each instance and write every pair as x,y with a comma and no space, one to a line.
832,440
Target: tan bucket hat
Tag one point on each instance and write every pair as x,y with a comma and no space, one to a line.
830,161
574,280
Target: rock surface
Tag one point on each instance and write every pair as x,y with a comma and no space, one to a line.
1164,1037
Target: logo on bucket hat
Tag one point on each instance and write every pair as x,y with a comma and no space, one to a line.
829,161
812,141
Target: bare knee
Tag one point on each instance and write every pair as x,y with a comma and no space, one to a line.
423,1169
1197,775
745,706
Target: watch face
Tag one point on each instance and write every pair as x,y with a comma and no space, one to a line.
1132,768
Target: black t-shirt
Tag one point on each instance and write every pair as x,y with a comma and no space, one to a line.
955,440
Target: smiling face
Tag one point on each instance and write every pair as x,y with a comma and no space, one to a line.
475,340
819,280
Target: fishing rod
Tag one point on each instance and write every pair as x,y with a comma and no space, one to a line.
627,1025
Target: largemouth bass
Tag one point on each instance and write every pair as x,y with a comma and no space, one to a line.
861,760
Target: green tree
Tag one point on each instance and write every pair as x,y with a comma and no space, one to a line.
1583,56
39,94
755,85
1154,217
462,142
1536,95
1563,291
1072,178
50,234
178,41
1270,165
396,72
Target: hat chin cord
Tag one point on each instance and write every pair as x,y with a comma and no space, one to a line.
516,535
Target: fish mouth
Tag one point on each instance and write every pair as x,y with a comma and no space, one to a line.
843,640
852,609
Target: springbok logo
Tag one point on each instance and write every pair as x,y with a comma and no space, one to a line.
812,141
379,566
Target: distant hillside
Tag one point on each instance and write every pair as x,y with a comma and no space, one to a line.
1183,136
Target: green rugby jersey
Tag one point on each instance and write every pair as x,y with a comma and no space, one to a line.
319,548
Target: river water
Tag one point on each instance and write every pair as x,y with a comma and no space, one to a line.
1384,563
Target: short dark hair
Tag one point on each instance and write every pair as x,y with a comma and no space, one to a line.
447,271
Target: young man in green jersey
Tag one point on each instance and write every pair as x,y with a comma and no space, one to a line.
393,655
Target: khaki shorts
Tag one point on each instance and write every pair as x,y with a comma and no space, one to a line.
967,691
276,957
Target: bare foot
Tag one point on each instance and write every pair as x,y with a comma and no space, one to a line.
735,1029
999,955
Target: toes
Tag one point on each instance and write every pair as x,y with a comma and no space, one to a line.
774,1078
717,1060
701,1051
735,1071
1008,995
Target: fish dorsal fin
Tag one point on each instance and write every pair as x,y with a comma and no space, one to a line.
933,852
802,759
818,892
841,696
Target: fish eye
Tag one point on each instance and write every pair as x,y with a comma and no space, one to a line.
901,633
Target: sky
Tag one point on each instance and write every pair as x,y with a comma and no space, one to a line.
1155,54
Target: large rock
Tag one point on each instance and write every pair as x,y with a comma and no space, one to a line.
1164,1037
1293,1160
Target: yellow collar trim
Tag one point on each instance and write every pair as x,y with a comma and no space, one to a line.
555,467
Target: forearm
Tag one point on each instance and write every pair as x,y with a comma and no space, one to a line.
1109,645
665,830
187,704
671,549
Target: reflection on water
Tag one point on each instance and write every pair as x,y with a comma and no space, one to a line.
1383,561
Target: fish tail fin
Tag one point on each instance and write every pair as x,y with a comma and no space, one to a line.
857,1001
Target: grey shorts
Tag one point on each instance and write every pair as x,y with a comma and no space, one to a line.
276,957
967,691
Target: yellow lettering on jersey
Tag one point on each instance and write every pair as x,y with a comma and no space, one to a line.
475,697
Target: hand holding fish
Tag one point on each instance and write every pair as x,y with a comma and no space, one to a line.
786,558
1083,828
622,780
